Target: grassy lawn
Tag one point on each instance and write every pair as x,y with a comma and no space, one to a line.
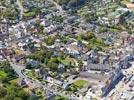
76,85
30,14
80,83
14,81
2,74
31,74
67,61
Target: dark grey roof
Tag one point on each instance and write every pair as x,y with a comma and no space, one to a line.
99,67
95,76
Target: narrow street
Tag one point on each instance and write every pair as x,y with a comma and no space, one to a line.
19,70
21,8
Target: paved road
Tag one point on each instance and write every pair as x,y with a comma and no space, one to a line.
18,69
21,8
121,86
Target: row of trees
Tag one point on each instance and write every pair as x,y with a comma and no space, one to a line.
6,68
15,93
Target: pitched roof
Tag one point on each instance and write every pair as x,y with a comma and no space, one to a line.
99,67
96,77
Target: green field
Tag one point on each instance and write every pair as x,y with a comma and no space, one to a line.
80,83
29,14
14,81
77,85
67,61
2,74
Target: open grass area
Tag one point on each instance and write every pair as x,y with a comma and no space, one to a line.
31,74
80,83
65,61
68,61
2,74
77,85
29,14
14,81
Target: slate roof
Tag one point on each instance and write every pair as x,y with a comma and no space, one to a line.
99,67
95,76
